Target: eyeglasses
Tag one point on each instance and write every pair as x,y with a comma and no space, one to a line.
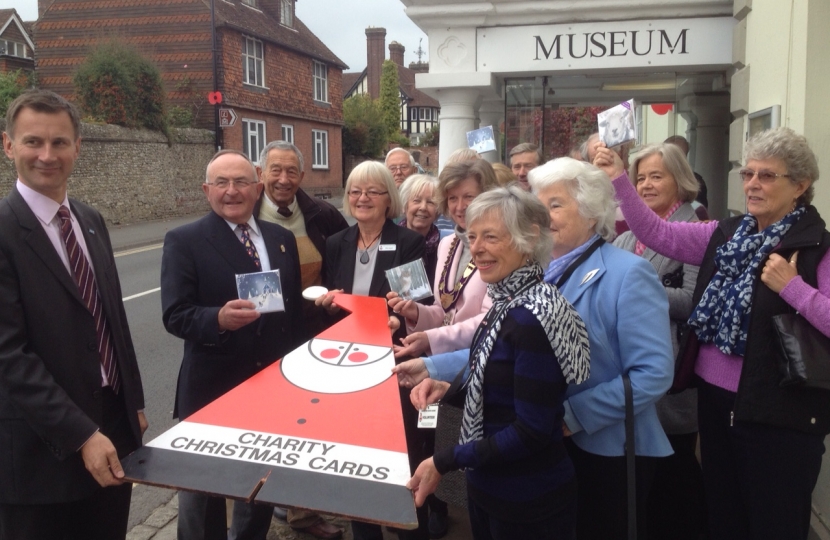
225,184
399,168
372,194
765,177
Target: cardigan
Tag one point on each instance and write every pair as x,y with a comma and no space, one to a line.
677,412
520,470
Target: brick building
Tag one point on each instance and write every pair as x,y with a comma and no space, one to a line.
16,45
281,81
419,112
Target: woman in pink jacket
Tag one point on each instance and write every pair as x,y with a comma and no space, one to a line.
460,295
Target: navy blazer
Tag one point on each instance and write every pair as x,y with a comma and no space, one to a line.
198,277
50,372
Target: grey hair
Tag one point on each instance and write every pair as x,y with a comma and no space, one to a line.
583,148
526,147
230,151
520,211
372,171
461,155
281,145
415,185
785,144
589,186
675,162
400,150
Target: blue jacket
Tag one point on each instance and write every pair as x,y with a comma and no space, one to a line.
626,312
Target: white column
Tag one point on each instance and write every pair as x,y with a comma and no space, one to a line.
491,113
458,116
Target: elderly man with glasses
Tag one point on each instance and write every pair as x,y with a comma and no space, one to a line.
226,341
401,164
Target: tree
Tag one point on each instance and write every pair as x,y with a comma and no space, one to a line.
117,85
12,84
390,100
364,131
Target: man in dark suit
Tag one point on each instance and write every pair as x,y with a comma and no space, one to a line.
71,399
225,340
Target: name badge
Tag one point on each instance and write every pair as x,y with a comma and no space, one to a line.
428,418
387,247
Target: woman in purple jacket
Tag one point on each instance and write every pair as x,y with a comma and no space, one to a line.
761,444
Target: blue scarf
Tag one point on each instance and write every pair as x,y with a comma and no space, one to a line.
558,266
722,316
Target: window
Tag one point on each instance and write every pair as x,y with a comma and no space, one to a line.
414,113
320,140
288,133
252,61
321,83
252,3
13,48
287,13
253,138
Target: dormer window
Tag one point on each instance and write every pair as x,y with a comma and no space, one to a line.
287,13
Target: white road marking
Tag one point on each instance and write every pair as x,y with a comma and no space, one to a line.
151,291
138,250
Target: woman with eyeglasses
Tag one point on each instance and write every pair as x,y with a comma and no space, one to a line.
357,258
356,262
761,444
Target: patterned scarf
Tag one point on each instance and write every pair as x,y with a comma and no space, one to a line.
432,238
722,316
563,327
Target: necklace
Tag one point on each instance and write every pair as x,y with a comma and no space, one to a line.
364,253
449,297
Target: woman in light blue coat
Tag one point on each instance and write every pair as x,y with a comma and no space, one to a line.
626,312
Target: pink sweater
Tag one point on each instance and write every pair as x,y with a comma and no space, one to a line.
687,242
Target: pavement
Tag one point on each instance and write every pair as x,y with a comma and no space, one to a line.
162,522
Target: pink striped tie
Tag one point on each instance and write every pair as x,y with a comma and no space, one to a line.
85,279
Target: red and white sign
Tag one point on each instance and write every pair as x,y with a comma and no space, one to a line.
321,430
227,118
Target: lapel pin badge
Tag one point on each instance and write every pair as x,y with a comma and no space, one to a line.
91,231
589,275
282,248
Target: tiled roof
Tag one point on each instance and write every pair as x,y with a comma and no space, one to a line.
262,25
406,79
350,80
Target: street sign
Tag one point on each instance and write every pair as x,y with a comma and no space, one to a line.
227,118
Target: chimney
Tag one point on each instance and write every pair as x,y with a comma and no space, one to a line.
419,67
396,51
375,55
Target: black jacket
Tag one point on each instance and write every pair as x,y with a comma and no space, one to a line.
760,398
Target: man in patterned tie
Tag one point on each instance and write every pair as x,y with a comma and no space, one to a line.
71,399
225,340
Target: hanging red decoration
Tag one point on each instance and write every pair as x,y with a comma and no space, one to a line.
661,108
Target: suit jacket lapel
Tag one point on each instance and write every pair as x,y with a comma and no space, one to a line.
41,245
586,276
385,259
348,250
228,246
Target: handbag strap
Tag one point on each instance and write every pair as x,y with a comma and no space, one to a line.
629,459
